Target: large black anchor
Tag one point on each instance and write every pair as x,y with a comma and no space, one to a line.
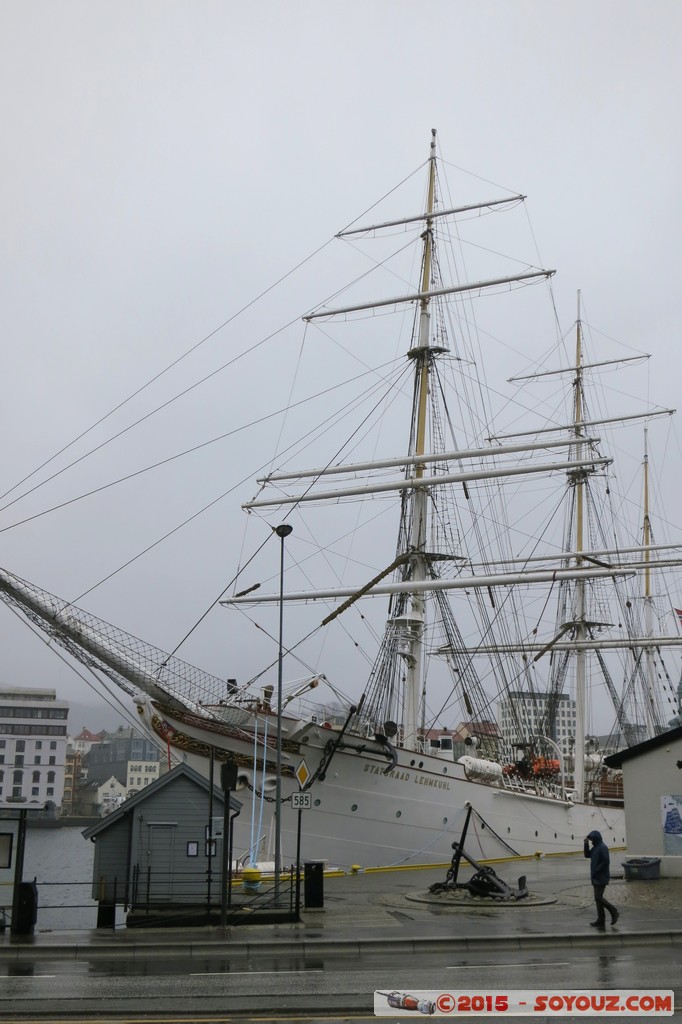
484,882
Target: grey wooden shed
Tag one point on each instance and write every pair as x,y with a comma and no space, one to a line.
154,850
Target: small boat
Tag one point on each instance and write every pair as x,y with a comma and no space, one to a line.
510,592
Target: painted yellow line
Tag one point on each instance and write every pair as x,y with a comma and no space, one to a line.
491,860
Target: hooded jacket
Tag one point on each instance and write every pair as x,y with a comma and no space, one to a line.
599,859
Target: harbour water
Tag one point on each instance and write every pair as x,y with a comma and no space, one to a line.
61,861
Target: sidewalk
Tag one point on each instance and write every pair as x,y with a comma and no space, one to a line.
393,910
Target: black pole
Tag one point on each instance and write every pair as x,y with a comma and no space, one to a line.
228,778
282,531
225,858
18,870
298,865
209,832
230,859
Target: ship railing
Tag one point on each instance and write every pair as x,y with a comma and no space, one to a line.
540,787
514,783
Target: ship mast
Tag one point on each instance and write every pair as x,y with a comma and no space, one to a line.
649,675
580,631
412,645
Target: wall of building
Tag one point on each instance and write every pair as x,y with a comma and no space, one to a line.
521,713
141,774
648,779
110,881
161,844
33,732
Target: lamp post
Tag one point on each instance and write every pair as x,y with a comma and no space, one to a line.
282,531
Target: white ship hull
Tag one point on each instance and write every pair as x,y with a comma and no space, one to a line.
370,814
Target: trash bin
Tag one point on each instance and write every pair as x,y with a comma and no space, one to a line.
313,884
26,909
642,868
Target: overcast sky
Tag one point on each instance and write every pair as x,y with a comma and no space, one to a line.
165,162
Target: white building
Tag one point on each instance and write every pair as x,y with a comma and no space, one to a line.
141,774
521,716
652,781
101,798
33,730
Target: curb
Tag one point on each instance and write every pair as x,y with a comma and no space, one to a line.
201,949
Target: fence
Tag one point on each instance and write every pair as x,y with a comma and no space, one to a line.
158,898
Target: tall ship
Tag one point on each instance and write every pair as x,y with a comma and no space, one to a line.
496,582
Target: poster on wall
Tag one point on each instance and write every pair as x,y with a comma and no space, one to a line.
671,814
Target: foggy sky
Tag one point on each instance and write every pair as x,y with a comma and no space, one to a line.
165,162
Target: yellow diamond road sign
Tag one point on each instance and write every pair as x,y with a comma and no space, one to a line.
302,774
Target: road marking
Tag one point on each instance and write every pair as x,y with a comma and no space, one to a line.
234,974
30,977
532,963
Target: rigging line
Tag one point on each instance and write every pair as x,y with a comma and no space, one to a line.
339,451
453,236
385,196
149,415
212,605
285,652
377,264
532,235
463,170
179,455
291,391
185,522
617,341
166,404
408,282
291,650
115,703
170,366
395,386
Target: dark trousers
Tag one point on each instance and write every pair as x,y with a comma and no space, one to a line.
602,904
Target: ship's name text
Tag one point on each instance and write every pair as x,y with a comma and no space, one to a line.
419,780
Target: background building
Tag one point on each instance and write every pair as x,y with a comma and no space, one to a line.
521,716
97,799
126,755
33,731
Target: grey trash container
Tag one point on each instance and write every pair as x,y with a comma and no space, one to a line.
642,868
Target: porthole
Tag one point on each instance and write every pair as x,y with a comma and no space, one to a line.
316,803
445,821
536,834
555,835
412,763
445,771
398,814
421,764
508,831
354,807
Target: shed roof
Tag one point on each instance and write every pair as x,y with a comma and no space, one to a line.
149,791
616,760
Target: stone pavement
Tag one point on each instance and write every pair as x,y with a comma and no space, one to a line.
392,910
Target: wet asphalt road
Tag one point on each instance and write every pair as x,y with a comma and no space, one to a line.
215,988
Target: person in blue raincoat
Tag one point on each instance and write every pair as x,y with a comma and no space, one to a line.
600,877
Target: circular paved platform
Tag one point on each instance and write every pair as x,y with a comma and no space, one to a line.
461,899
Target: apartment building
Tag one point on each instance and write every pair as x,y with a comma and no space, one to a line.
33,731
522,715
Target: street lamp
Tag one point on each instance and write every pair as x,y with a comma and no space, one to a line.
282,531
